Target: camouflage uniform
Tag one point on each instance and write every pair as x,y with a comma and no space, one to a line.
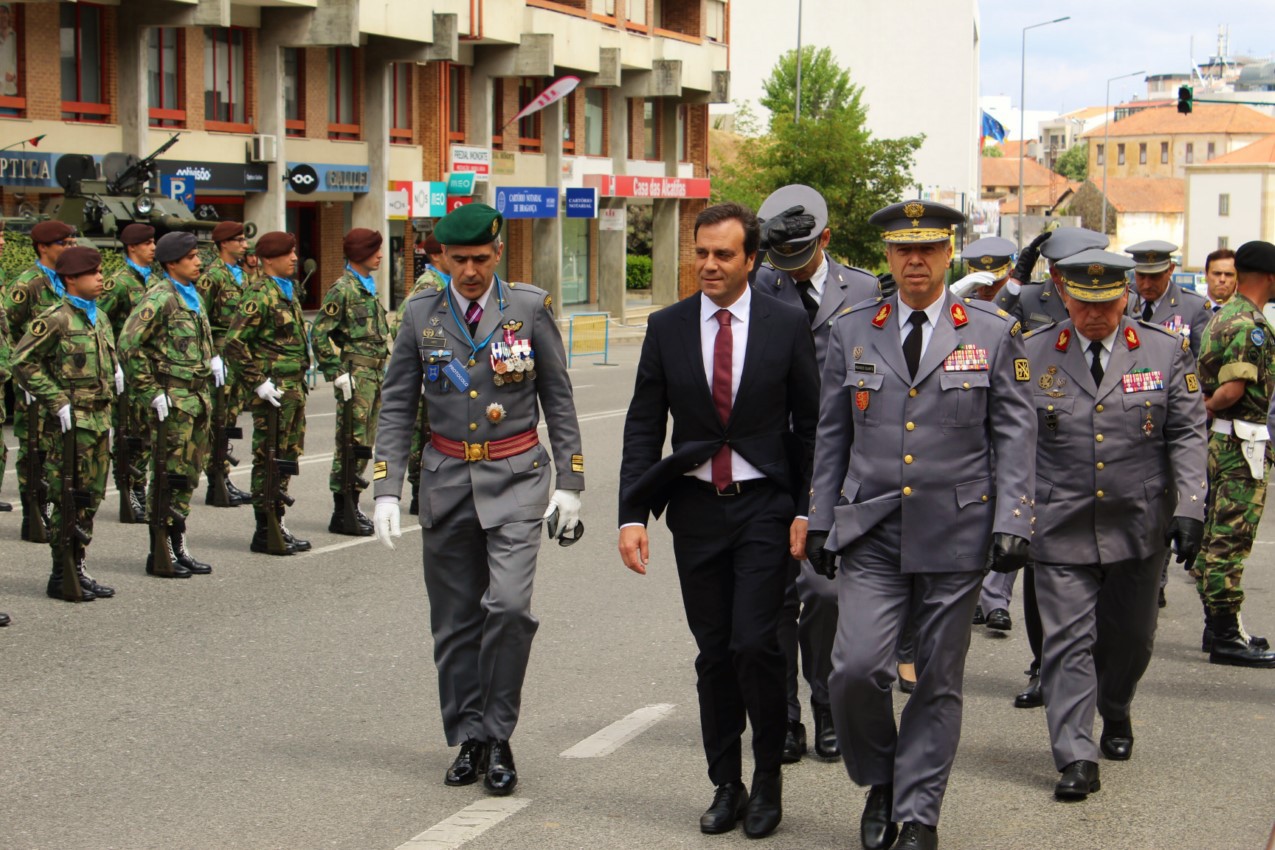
5,354
66,359
121,293
221,287
353,320
26,297
267,339
1237,345
430,279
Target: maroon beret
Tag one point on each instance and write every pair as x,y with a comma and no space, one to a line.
136,234
77,261
361,243
226,230
48,232
432,245
276,243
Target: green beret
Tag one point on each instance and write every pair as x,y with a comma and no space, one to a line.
471,224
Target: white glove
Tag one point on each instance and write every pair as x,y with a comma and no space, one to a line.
218,371
385,519
970,282
160,403
65,418
567,504
119,380
267,392
344,384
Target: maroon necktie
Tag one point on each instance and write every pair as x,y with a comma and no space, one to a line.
723,352
472,316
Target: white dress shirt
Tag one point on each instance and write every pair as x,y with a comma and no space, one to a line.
462,303
1105,354
818,280
932,313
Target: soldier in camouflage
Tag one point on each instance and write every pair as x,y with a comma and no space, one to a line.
5,354
66,361
220,288
120,294
168,355
434,278
1237,370
351,338
267,343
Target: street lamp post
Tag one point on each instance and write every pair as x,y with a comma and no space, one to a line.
797,115
1022,109
1106,148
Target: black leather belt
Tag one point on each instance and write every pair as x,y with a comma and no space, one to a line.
735,488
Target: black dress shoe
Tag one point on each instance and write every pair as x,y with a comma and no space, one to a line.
918,836
826,746
1117,739
4,619
501,777
794,742
468,763
998,619
1079,780
765,805
1032,697
979,617
730,802
877,829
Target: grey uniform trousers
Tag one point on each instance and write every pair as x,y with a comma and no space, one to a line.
807,627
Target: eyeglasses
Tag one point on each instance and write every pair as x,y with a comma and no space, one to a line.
68,243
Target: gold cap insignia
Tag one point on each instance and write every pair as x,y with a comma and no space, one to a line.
1150,257
1097,268
987,261
914,210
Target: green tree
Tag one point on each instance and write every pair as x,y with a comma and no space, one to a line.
1074,163
993,151
830,149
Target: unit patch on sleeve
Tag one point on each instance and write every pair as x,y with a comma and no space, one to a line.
1022,369
380,470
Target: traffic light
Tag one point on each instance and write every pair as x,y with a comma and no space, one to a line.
1186,99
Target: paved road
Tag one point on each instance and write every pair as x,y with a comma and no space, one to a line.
291,703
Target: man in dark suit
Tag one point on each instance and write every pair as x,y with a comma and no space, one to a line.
735,372
802,274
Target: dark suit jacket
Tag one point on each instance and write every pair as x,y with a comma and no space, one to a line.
779,385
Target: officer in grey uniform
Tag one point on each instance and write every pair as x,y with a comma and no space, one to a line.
1120,458
1037,304
802,274
920,392
487,356
1161,301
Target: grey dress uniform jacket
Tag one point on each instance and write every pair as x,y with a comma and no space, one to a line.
1178,310
844,287
1035,305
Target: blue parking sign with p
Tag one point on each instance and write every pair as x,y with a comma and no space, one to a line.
180,189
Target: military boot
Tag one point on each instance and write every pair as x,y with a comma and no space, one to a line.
177,570
177,540
1206,639
1232,646
137,502
295,542
237,497
363,526
261,537
88,583
54,588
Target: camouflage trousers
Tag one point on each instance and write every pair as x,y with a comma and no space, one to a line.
1230,526
23,421
291,434
4,448
420,436
138,416
93,456
187,439
234,398
366,403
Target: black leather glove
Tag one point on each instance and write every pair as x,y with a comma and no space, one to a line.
1187,536
792,223
887,284
1007,553
824,562
1027,259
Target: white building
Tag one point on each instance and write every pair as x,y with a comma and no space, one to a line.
1229,201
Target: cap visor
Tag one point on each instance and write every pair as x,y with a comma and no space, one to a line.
1096,296
1153,268
792,262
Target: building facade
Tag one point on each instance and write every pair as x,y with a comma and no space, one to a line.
1162,142
1230,201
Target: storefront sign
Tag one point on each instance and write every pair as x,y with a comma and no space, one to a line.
331,177
582,203
27,169
527,201
610,219
628,186
398,204
460,183
502,163
470,158
455,202
206,177
180,189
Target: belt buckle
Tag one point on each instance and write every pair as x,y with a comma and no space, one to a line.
476,451
731,489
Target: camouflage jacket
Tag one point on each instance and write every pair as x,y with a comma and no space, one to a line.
121,293
27,296
65,359
353,321
1237,345
167,345
431,278
267,336
6,353
221,294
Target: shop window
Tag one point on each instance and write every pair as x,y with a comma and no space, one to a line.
165,80
456,103
595,106
343,106
294,91
529,127
13,102
226,80
82,42
401,102
650,130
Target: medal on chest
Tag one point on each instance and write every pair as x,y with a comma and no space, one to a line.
966,358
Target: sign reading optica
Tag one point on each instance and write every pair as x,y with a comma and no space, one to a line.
527,201
629,186
334,177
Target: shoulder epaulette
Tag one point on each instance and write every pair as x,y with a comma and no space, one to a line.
990,308
1153,326
1031,333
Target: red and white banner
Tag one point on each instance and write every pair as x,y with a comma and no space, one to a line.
557,90
629,186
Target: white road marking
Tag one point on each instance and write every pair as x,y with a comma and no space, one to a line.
619,733
346,544
467,824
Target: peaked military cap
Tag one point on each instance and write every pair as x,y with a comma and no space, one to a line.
792,255
78,260
1095,275
136,234
1152,256
917,221
1256,256
1067,241
171,247
991,254
471,224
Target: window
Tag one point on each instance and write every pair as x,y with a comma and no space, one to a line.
166,53
595,106
1190,152
715,22
497,110
529,127
1102,154
636,10
1142,153
225,80
604,7
401,102
1223,242
456,103
294,91
83,50
1211,151
343,114
650,130
1119,154
13,102
1224,204
1164,153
